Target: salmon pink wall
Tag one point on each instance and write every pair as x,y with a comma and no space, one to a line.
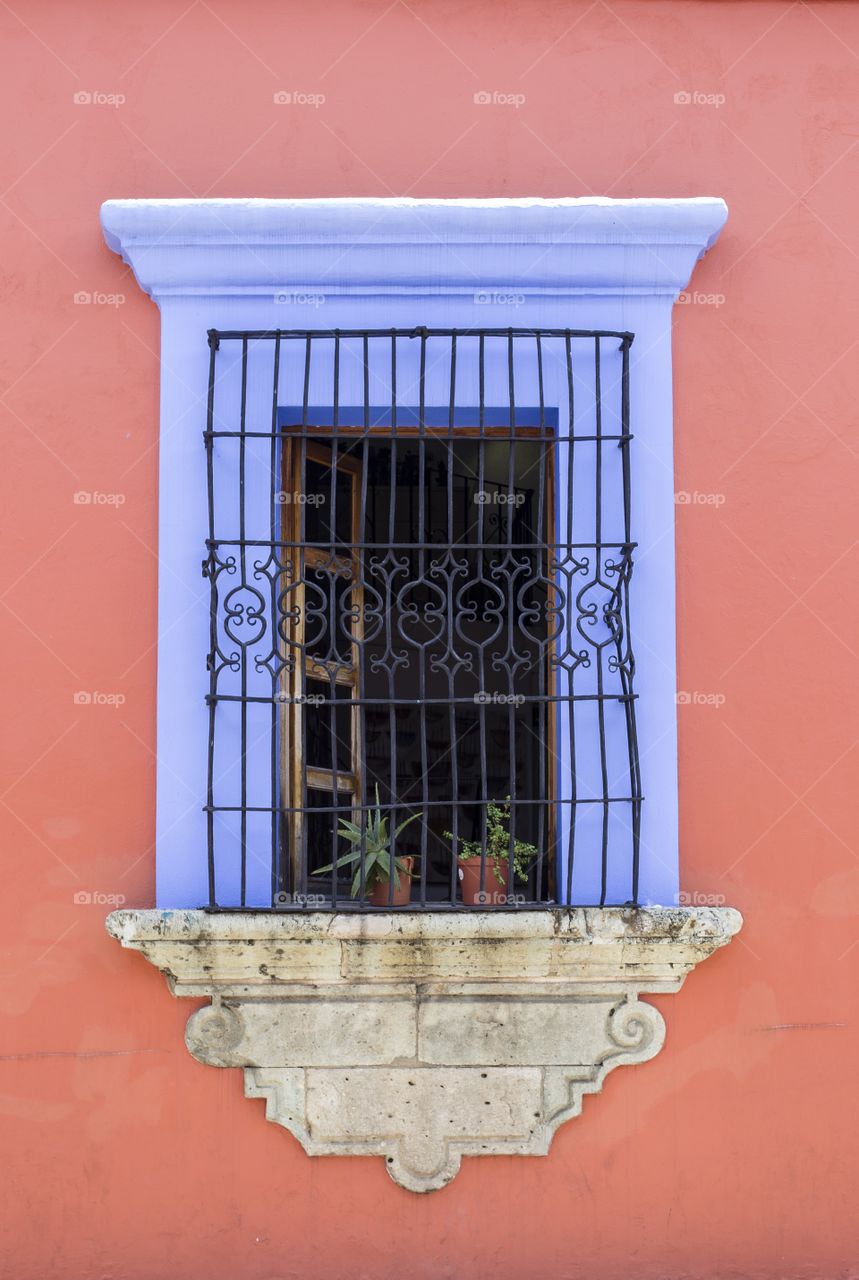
732,1152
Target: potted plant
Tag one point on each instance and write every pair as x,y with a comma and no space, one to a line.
496,879
373,848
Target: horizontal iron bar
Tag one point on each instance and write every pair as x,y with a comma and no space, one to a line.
414,803
526,698
346,904
341,433
211,543
420,332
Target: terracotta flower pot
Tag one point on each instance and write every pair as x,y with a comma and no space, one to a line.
496,884
378,896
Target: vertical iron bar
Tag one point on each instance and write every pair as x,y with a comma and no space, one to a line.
481,560
392,718
274,524
362,528
569,607
451,664
541,538
244,648
300,685
422,538
627,673
212,559
332,616
511,708
599,652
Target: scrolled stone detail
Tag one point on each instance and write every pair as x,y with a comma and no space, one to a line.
635,1029
421,1164
213,1032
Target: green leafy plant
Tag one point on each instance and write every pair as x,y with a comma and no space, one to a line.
498,844
373,846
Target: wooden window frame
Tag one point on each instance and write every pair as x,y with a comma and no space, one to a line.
297,449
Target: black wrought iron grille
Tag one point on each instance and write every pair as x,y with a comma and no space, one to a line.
420,673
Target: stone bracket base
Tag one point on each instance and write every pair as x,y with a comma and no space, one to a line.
414,1037
424,1118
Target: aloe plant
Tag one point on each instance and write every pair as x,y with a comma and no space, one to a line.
497,844
373,847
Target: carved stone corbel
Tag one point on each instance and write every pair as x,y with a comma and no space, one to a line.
424,1038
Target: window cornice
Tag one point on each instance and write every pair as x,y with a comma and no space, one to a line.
564,246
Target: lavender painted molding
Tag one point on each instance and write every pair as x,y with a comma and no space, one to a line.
260,264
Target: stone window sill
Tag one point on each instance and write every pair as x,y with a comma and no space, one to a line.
423,1037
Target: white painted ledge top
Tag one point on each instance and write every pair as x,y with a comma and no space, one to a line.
695,220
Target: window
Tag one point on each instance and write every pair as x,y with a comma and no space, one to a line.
419,556
418,601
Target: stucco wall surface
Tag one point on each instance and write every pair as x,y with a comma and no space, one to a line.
730,1154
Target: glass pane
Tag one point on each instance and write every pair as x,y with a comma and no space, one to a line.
328,729
327,507
322,844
